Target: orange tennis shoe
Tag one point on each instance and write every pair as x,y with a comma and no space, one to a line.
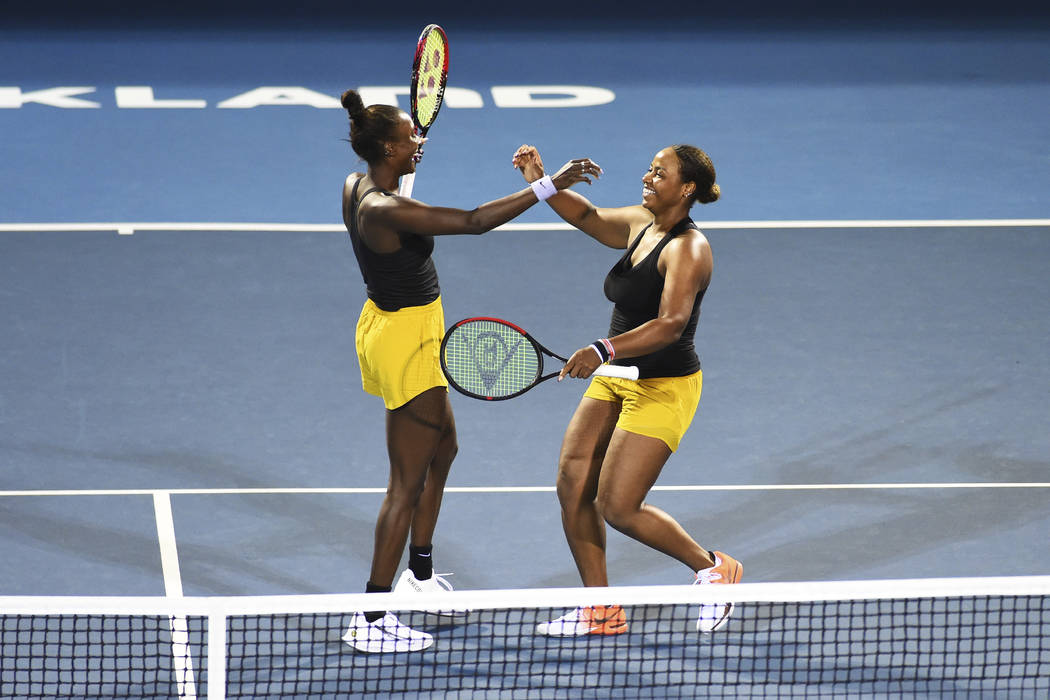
595,619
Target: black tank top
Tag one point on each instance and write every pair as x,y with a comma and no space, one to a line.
635,291
404,277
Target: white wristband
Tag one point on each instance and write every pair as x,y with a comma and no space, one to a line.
544,188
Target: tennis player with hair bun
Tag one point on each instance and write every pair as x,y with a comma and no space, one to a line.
398,342
624,431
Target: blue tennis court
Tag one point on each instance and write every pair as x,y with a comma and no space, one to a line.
180,403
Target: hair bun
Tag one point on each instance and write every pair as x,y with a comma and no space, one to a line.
353,104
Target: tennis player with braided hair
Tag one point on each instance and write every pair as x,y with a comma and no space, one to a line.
623,432
398,342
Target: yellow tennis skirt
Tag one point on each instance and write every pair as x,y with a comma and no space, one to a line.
399,351
661,408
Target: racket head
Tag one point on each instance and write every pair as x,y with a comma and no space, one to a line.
490,359
429,74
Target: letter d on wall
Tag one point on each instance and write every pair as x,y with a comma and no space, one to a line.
550,96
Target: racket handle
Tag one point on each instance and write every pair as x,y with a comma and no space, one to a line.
617,371
407,181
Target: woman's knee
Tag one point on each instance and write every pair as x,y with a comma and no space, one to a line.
403,493
572,484
616,510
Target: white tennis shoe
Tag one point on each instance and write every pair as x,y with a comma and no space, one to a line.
726,570
385,635
437,583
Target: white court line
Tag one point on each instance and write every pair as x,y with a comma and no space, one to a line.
181,655
156,493
130,227
169,553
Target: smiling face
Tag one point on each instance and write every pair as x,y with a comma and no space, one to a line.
403,146
662,185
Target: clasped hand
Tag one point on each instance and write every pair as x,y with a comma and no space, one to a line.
527,160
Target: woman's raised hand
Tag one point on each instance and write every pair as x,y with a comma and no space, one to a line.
576,170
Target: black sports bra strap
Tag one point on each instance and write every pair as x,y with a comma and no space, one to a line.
682,226
374,189
637,239
354,201
353,193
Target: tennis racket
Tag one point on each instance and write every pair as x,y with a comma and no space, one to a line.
492,359
429,74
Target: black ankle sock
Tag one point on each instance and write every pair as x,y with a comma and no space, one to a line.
374,615
420,561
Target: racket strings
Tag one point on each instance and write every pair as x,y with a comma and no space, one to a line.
429,80
490,359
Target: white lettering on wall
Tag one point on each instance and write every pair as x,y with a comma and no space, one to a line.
280,96
550,96
13,97
143,97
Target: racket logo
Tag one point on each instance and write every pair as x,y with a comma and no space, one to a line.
428,83
491,356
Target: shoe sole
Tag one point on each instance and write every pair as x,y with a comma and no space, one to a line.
608,629
377,647
603,630
373,650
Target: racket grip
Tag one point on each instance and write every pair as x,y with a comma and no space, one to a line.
617,371
407,181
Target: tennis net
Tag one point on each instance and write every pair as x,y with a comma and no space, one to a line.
987,637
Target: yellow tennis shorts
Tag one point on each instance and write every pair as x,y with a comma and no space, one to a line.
399,351
661,408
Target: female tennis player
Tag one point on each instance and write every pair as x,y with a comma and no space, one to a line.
398,342
623,432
